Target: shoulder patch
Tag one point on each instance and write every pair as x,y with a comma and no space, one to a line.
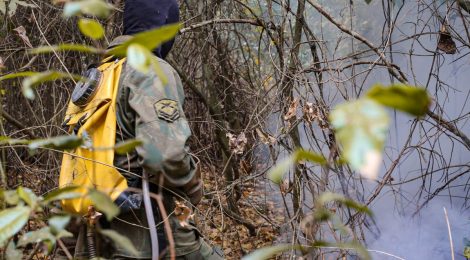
167,110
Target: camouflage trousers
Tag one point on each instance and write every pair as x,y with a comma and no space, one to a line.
189,245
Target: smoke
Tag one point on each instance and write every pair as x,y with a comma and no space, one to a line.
422,237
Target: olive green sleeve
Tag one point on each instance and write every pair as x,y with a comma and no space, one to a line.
161,124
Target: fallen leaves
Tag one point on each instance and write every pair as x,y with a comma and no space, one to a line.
183,213
237,144
21,31
312,114
291,111
266,138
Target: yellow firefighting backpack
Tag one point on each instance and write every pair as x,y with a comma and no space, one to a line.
91,114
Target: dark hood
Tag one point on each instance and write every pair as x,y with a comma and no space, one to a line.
143,15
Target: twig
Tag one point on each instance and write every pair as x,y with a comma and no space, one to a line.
450,234
219,21
17,123
451,127
400,76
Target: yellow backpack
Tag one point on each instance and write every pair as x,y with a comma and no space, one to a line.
91,165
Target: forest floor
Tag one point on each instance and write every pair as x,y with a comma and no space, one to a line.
254,206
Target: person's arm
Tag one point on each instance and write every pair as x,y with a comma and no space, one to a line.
162,126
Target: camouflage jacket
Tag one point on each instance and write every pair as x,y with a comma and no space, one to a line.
153,112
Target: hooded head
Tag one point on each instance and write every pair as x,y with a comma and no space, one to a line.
144,15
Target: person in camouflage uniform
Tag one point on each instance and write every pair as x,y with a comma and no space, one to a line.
153,112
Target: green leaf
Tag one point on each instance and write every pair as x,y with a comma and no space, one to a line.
66,47
91,28
466,252
65,142
103,203
12,253
3,7
37,236
58,223
270,252
329,197
70,192
127,146
120,241
149,39
304,155
277,172
361,128
412,100
40,78
10,196
98,8
139,57
12,221
28,196
18,75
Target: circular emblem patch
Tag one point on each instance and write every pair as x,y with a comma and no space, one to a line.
167,109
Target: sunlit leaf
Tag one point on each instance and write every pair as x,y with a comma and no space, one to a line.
127,146
66,47
139,58
65,142
276,173
280,169
10,196
98,8
28,196
91,28
361,128
39,78
149,39
104,204
304,155
3,7
120,241
58,223
330,197
18,75
412,100
12,220
12,252
43,234
270,252
70,192
466,252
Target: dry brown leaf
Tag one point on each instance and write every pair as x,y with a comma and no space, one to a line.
446,43
183,213
245,167
285,186
292,111
2,64
265,138
310,112
22,33
237,143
